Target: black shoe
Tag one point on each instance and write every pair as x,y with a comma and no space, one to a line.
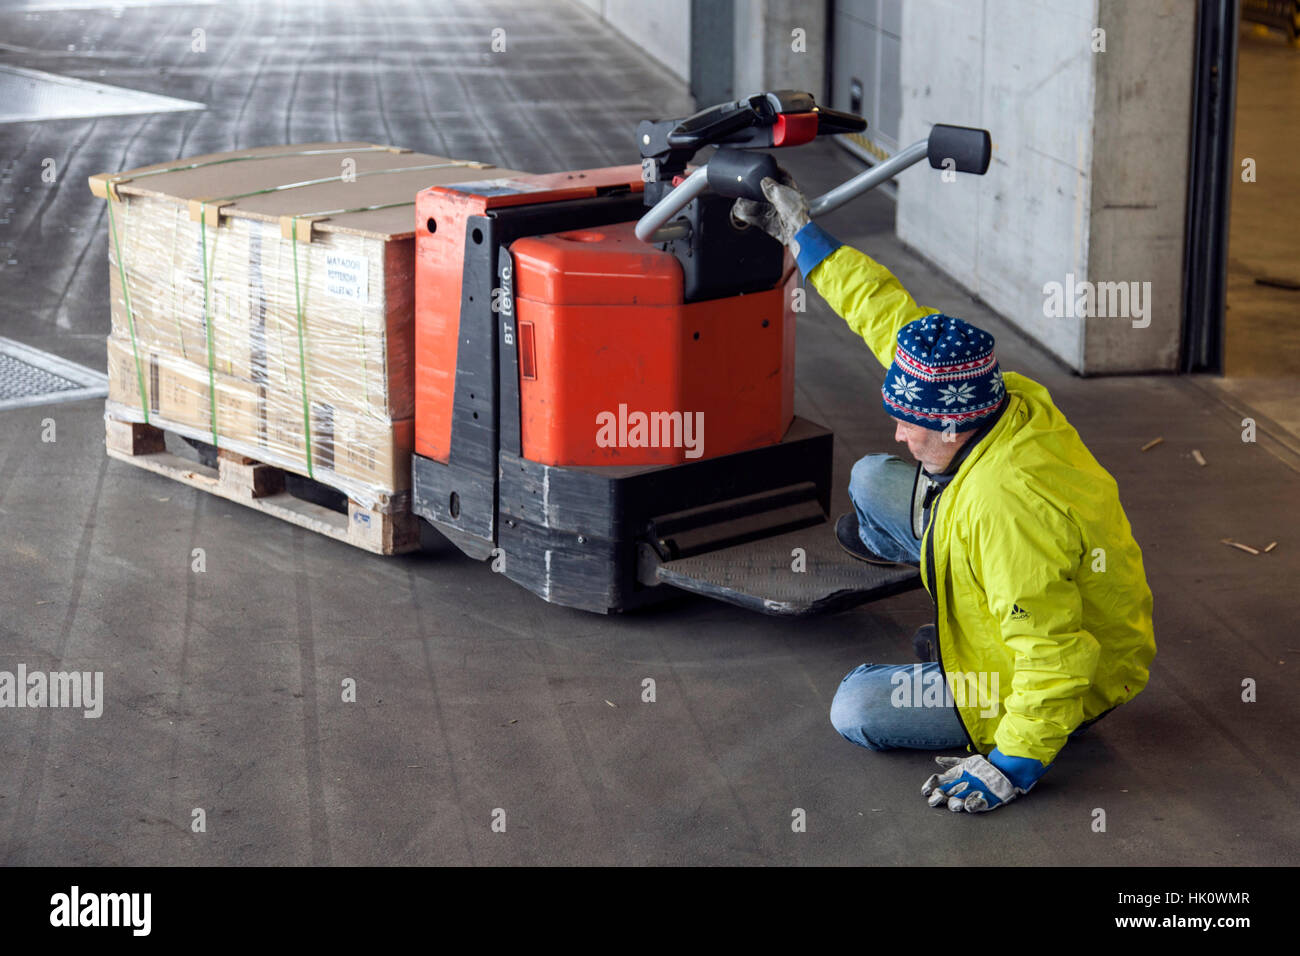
846,533
925,642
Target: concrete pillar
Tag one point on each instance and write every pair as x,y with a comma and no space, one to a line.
780,45
662,29
1141,133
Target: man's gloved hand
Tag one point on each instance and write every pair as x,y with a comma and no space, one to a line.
784,213
977,783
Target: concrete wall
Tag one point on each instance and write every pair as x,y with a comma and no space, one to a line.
662,28
1089,161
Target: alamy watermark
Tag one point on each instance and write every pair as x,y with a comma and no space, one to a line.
82,690
962,689
626,429
78,909
1124,300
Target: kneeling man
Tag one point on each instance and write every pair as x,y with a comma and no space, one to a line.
1042,609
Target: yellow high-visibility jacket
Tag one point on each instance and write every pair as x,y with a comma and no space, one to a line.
1028,555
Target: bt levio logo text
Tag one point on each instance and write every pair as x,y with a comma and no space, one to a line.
651,430
102,909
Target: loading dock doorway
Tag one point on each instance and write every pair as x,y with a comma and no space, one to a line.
865,41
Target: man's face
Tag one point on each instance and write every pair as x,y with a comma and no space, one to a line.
933,449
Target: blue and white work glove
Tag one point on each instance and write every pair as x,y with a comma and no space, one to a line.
785,218
784,213
978,783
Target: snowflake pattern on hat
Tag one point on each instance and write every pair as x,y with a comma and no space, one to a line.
957,393
944,372
906,389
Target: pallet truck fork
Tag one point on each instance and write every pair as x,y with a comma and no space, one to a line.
605,373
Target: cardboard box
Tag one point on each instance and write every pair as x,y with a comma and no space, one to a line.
240,411
354,282
125,377
182,392
178,392
374,451
357,351
284,437
163,279
174,390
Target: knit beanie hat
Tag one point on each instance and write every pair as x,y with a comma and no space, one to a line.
944,371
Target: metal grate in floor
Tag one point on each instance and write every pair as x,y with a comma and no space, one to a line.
20,380
31,377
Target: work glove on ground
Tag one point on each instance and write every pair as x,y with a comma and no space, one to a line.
784,213
975,784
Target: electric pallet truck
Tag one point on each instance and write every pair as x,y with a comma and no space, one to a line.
605,373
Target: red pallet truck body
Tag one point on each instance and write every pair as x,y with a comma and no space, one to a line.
605,394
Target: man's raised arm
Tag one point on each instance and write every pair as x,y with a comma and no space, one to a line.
862,291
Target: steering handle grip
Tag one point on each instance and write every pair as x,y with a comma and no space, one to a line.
968,148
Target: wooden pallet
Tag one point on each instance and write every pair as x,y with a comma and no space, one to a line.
260,486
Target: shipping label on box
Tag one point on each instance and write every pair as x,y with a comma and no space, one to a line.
347,277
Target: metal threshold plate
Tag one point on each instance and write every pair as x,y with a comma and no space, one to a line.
28,96
760,575
31,377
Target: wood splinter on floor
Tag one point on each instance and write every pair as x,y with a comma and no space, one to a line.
1238,544
1278,282
1200,459
1152,444
1271,546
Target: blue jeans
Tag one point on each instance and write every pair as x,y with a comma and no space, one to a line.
880,488
876,707
886,706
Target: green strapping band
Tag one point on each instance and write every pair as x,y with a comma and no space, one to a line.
302,354
130,318
207,322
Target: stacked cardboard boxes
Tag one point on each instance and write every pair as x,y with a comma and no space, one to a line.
263,301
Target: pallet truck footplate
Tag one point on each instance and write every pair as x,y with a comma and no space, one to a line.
797,574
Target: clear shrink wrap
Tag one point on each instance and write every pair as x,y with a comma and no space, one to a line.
263,302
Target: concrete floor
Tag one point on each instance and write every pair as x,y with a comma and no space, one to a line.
223,687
